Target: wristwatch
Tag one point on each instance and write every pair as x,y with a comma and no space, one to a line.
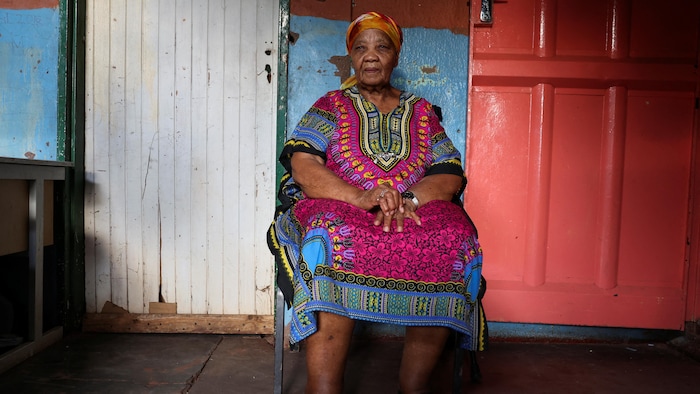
408,195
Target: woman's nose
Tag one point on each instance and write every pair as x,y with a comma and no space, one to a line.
371,55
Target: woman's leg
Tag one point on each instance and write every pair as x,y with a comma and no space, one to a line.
422,349
326,353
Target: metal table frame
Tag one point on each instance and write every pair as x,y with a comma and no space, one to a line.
35,172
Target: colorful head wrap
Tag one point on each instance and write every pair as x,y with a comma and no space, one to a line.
371,20
374,20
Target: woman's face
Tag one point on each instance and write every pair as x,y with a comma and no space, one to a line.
373,58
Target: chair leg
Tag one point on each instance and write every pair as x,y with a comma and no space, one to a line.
279,342
457,368
474,370
474,364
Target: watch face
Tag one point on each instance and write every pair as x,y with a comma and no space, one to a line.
407,195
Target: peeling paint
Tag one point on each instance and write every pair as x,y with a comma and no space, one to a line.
343,66
28,4
293,37
429,69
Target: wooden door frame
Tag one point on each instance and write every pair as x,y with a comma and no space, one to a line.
692,285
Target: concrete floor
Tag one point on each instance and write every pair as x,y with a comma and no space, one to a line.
183,363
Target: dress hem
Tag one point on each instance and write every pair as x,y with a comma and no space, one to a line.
298,335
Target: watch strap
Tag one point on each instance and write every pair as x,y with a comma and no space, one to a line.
410,196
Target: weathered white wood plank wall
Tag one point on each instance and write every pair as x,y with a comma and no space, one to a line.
180,154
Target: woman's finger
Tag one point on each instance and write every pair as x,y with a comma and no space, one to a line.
387,222
414,216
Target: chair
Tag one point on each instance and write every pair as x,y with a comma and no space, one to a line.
279,341
457,373
475,372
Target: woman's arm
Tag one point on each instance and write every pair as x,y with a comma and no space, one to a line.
437,187
317,181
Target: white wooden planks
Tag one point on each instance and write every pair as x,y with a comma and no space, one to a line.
150,236
232,143
216,156
180,154
133,169
265,148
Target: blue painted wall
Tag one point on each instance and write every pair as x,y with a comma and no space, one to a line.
433,65
29,52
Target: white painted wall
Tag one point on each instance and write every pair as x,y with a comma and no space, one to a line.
180,154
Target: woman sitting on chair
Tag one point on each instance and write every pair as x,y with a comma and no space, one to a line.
370,225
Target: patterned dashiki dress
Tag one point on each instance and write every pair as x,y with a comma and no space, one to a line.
330,255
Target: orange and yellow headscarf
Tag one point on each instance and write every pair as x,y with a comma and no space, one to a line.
371,20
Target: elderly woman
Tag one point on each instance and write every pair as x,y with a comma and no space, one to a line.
370,225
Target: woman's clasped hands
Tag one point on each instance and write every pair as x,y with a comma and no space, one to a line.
392,207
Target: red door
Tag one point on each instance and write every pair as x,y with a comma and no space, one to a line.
579,157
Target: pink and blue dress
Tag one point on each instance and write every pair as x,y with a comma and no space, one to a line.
331,257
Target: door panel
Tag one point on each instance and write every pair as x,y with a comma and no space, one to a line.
579,155
574,177
657,169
